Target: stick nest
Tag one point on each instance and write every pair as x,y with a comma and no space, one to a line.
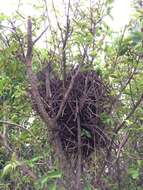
88,100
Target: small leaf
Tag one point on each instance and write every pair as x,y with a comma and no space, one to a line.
85,133
134,172
52,187
54,174
44,179
88,187
7,170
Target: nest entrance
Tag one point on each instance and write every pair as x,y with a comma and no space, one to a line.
88,99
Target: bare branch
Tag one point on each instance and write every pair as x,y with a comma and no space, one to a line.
29,42
3,141
32,78
17,125
40,35
70,86
131,76
130,114
122,144
65,39
19,39
78,175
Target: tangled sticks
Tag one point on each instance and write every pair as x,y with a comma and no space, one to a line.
88,100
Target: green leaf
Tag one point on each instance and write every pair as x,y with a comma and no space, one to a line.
3,17
9,168
93,53
54,175
33,160
42,182
98,70
85,133
88,187
134,172
52,187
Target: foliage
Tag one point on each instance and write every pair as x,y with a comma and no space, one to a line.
27,160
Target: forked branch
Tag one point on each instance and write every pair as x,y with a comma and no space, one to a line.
32,78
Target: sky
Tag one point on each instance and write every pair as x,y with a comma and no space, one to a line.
121,11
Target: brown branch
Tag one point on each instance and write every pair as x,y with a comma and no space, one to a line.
51,29
67,92
48,89
130,114
19,39
32,78
67,34
120,126
3,141
36,97
26,171
17,125
71,85
122,144
40,35
124,87
78,174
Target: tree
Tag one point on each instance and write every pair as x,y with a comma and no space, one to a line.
32,154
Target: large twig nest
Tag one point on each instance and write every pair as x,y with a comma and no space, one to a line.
90,97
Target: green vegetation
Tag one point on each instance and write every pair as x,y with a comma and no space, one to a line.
29,156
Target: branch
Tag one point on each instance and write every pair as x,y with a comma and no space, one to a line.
53,32
19,39
40,35
122,144
130,114
23,167
26,171
48,88
29,42
67,93
119,127
70,86
64,41
78,174
124,87
32,78
16,125
3,141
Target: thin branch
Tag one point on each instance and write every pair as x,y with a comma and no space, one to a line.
57,21
3,141
40,35
29,43
67,34
129,115
78,175
124,87
19,39
23,167
70,87
53,32
120,126
67,92
122,144
17,125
